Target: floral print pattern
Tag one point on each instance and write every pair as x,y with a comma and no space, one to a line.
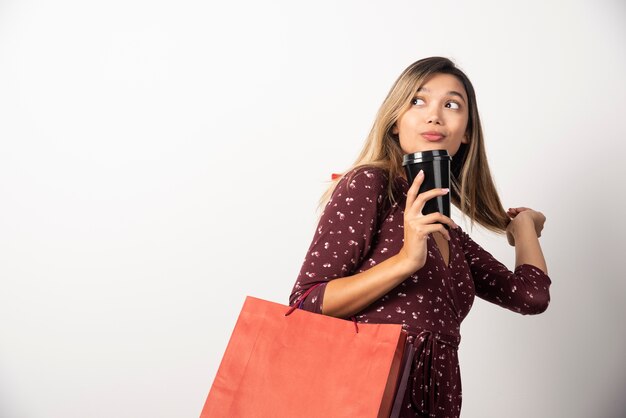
358,229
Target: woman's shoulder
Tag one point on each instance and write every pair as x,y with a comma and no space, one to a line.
369,179
369,171
372,174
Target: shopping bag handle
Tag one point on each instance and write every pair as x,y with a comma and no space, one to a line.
303,296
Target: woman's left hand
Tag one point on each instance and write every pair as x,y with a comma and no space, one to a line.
519,215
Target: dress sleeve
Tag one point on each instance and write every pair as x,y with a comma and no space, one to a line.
344,234
525,290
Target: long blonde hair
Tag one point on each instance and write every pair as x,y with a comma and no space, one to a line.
472,188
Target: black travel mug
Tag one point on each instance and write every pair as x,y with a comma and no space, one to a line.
436,166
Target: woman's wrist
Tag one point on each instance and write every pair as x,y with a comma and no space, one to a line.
403,265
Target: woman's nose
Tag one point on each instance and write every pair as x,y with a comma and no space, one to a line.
433,116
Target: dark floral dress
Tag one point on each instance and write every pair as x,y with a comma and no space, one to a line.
358,229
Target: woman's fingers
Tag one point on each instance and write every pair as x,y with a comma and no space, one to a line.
420,201
439,217
413,190
537,217
426,229
417,226
516,211
415,204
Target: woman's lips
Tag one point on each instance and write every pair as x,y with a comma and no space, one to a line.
433,137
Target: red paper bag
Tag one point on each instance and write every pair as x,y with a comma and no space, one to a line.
305,365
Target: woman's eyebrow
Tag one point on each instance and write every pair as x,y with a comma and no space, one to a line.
450,93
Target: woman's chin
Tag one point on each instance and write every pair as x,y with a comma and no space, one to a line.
427,147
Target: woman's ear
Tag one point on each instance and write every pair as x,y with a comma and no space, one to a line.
394,129
465,139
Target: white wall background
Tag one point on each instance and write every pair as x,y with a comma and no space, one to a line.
161,160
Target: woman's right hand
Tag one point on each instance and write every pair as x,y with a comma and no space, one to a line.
417,226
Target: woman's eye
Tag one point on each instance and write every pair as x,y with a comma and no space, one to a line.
454,105
417,100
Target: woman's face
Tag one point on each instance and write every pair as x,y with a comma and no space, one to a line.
437,118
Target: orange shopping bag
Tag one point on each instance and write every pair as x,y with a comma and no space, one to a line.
283,362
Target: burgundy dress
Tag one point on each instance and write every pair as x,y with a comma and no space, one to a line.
359,229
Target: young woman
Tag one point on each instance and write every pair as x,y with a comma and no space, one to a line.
375,257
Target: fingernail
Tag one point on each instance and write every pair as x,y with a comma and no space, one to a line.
421,173
445,190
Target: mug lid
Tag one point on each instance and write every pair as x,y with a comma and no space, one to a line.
423,156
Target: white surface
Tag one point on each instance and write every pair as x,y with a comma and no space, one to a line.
161,160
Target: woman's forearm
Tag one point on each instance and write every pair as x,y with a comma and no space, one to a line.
527,247
346,296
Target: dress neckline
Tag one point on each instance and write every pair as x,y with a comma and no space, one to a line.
450,249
